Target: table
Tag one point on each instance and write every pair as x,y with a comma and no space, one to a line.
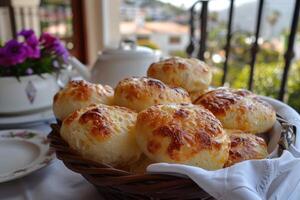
54,181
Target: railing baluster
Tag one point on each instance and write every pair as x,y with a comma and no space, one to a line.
12,19
191,47
228,40
289,54
255,47
203,27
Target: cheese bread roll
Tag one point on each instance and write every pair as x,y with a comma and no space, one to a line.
104,134
79,94
244,146
182,133
141,93
189,73
239,109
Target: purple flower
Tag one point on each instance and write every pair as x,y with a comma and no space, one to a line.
53,44
32,42
26,33
60,50
12,53
47,40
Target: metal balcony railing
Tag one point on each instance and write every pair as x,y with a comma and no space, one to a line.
203,18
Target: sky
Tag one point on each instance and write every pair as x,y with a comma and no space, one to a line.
213,4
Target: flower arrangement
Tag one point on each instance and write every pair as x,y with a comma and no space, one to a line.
28,54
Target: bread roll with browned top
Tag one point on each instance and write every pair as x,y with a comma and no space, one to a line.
104,134
182,133
239,109
189,73
141,93
245,146
79,94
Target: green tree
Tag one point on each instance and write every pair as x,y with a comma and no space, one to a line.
267,81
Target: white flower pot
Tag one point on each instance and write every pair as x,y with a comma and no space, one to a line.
28,94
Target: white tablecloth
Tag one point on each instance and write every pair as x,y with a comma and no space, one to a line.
52,182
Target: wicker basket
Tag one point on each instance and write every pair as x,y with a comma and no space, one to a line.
117,184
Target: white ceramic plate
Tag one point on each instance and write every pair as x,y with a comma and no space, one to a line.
22,152
9,121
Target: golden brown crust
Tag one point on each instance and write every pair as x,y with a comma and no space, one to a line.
97,117
79,94
239,109
105,134
179,132
178,138
68,120
140,93
219,101
245,147
80,90
189,73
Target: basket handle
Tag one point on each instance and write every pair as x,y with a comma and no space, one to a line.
288,135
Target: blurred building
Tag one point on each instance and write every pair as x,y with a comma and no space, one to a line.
168,36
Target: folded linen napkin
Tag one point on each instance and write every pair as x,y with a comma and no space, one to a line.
277,178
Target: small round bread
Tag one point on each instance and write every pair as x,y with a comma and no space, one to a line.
239,109
79,94
141,93
189,73
104,134
245,146
182,133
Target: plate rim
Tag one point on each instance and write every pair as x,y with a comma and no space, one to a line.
46,115
44,158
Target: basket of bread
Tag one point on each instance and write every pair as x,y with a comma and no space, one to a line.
171,115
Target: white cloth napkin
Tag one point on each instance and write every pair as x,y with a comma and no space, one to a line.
277,178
